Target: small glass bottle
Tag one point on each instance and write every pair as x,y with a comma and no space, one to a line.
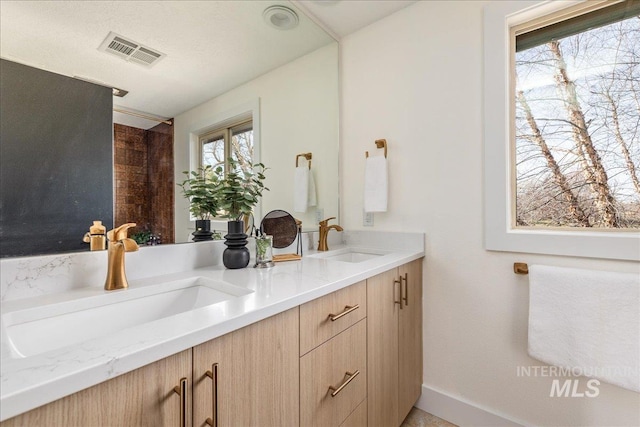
264,251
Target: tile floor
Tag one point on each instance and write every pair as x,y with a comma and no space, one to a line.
419,418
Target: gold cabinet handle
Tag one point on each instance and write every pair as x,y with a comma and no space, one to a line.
213,374
399,282
406,288
351,376
347,309
181,390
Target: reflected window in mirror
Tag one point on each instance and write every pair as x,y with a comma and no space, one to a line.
235,141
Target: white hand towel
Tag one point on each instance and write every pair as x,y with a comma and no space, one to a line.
375,184
587,321
311,197
301,189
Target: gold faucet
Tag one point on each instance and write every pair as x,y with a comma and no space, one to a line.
324,232
119,243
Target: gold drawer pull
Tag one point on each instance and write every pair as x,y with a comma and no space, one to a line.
181,390
347,309
213,374
351,376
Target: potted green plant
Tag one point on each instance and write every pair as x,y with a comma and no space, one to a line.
202,187
238,193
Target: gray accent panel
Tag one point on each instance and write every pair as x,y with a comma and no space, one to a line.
56,160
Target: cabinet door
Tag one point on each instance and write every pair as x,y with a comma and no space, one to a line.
255,374
382,349
144,397
410,338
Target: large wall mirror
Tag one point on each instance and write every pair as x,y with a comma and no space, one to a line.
198,65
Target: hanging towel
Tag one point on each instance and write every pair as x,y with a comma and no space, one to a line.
301,189
375,184
311,195
587,321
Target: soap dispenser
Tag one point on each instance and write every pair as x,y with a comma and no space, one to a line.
96,237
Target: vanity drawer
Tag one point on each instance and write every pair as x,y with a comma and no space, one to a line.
333,378
358,417
346,306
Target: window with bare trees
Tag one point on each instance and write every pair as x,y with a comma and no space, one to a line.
234,141
576,151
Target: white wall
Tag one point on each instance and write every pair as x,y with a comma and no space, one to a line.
298,113
415,78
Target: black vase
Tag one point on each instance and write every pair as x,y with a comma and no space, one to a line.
236,255
203,230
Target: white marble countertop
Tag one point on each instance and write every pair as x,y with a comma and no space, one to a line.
29,382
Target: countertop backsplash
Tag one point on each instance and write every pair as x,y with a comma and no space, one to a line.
25,277
40,275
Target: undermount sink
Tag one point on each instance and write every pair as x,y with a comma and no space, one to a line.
352,255
48,327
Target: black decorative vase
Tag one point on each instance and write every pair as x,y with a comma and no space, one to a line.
236,255
203,230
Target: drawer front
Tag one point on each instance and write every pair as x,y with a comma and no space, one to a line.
330,390
358,418
346,306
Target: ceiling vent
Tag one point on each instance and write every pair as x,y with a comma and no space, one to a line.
129,50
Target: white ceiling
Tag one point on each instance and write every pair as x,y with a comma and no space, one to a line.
210,46
343,17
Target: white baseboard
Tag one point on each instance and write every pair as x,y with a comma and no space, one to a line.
460,412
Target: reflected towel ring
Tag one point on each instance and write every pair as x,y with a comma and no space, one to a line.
307,156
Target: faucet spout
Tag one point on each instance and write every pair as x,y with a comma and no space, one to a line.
324,232
119,243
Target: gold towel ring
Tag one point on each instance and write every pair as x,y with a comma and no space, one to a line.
380,143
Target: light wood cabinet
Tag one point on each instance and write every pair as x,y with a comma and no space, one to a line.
382,349
144,397
394,343
333,362
333,379
254,375
323,318
410,339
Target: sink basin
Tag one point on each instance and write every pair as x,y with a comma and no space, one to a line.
44,328
352,255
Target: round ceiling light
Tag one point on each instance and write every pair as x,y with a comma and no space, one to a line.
280,17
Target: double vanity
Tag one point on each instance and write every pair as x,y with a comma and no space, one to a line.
332,339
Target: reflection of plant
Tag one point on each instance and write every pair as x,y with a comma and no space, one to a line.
145,237
201,188
239,190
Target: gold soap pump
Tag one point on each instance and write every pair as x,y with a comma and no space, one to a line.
96,237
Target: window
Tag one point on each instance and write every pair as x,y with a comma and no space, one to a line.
576,128
235,141
214,134
561,103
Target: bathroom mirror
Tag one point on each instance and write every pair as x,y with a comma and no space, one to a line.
259,74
